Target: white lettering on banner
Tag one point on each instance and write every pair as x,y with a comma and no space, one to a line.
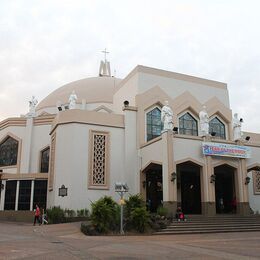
229,150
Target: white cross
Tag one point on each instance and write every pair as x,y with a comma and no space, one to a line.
105,52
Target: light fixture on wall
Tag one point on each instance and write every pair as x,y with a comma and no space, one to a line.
126,103
213,133
2,186
212,178
247,180
173,176
175,129
247,138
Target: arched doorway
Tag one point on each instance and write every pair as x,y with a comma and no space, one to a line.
153,186
189,187
225,193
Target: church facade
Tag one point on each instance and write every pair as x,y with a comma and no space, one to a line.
73,146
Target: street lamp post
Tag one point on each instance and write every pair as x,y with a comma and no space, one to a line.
121,188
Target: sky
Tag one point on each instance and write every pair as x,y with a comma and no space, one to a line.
46,44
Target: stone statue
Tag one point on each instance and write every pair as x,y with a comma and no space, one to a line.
72,100
204,122
237,123
32,104
167,117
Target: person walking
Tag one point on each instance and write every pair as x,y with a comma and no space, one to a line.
37,214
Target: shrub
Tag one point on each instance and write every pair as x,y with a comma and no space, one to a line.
139,218
162,211
82,213
56,215
69,213
134,201
105,215
88,229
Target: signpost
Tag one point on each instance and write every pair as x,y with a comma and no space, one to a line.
121,188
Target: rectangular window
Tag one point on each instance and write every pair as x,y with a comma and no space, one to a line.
40,193
24,195
98,160
10,195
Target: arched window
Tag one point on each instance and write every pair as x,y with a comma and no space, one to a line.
8,152
153,123
216,126
188,125
45,159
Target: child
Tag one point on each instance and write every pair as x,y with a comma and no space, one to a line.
180,215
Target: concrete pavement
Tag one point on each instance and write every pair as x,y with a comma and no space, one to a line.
64,241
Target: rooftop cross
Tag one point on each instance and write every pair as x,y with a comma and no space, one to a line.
105,53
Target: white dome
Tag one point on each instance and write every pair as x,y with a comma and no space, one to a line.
93,90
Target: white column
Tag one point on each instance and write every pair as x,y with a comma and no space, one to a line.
2,202
17,195
32,193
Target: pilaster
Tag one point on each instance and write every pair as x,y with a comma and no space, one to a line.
2,202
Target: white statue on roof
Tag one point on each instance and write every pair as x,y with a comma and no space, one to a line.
72,100
32,105
167,117
237,123
204,121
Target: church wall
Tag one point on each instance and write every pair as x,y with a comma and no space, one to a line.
174,88
127,91
41,139
254,199
151,153
71,165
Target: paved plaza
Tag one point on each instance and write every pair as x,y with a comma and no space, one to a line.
64,241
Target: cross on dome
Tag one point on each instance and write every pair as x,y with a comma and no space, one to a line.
104,68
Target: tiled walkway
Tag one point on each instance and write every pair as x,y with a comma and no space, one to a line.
64,241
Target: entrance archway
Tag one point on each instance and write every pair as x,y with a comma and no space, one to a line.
225,193
153,187
189,187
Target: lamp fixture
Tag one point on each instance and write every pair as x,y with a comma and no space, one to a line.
247,180
173,176
213,133
175,129
212,178
126,103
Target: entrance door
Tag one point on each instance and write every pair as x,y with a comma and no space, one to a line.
225,190
154,189
190,188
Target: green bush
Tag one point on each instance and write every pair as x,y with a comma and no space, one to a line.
69,213
139,219
162,211
88,229
56,215
82,213
105,215
134,201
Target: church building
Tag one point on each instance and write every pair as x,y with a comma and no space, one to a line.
170,137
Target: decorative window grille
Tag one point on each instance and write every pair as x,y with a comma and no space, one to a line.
8,152
99,160
256,182
154,124
188,125
51,175
215,125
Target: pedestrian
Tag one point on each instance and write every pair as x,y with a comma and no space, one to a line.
37,215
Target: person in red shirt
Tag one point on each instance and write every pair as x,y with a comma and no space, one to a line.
37,214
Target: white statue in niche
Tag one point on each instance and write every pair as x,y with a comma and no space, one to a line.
32,104
72,100
167,117
204,122
237,123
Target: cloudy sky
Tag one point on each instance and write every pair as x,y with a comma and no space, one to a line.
45,44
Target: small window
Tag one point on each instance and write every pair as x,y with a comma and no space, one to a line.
154,124
188,125
8,152
216,126
45,160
